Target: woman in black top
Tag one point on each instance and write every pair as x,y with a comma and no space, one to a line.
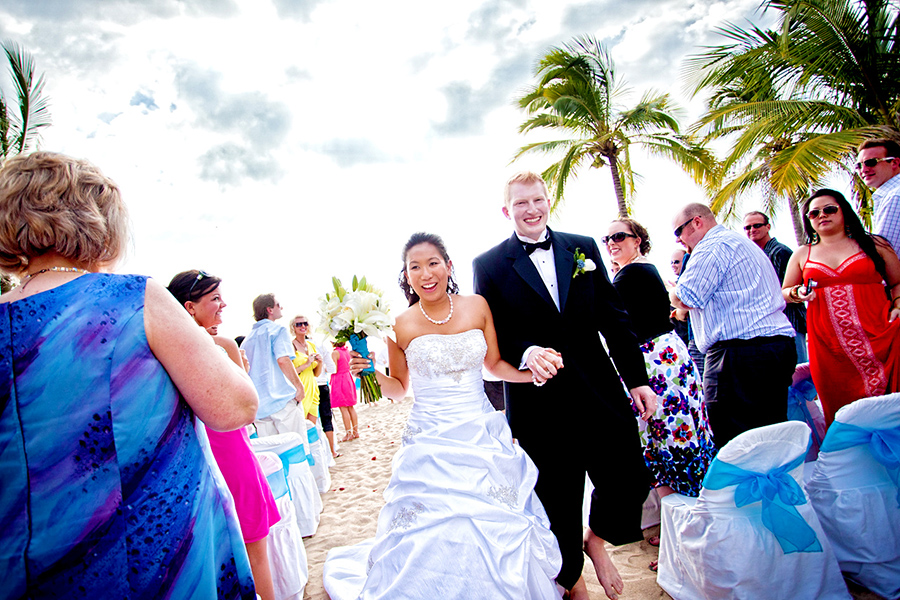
677,441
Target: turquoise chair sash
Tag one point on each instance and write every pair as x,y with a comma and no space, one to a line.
779,494
884,444
313,435
293,456
278,483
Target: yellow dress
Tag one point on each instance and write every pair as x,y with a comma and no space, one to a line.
308,379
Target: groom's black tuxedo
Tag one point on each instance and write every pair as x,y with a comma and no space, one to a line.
581,419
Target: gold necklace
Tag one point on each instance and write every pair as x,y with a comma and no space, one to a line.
28,277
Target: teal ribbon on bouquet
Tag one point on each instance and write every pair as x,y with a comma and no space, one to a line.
884,444
780,495
368,384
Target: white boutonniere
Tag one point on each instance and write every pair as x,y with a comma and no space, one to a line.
582,264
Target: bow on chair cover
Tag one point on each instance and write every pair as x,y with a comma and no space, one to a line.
884,444
779,494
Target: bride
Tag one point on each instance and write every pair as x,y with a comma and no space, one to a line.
461,519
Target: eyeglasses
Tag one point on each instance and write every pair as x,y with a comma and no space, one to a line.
301,324
617,237
754,226
831,209
871,162
200,275
681,227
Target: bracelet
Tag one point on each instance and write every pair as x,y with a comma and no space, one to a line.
794,294
535,381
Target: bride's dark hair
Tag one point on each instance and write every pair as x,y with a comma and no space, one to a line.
436,241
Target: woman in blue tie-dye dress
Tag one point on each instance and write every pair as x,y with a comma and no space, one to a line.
105,489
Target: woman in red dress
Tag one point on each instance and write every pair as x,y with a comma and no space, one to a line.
853,316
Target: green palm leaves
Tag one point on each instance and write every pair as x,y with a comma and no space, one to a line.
577,94
796,101
19,129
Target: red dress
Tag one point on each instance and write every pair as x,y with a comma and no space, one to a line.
853,349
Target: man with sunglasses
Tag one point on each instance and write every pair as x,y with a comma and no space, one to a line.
269,350
736,310
758,228
878,164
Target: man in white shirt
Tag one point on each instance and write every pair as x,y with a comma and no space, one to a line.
878,163
269,350
736,312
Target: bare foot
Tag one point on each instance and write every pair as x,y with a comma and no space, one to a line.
606,571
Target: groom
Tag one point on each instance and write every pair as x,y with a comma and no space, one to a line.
542,299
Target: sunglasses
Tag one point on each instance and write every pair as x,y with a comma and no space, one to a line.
617,237
831,209
754,226
301,324
871,162
675,262
200,276
681,227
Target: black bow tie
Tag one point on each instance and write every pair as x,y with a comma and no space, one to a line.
545,245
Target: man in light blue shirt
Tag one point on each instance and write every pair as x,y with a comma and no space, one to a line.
736,311
269,351
879,166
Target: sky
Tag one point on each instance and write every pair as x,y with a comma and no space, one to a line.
278,143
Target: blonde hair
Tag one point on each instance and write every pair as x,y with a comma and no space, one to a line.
52,202
525,178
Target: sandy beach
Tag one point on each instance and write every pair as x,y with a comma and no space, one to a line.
361,474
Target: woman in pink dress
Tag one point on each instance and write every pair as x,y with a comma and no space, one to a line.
343,391
199,293
854,351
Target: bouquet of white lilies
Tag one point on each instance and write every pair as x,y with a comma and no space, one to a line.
351,317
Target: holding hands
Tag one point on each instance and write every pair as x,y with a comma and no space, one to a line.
544,363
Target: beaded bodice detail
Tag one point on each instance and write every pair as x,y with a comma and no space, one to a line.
434,355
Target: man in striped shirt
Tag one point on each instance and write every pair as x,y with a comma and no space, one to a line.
736,310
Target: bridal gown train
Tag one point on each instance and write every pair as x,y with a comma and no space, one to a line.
461,519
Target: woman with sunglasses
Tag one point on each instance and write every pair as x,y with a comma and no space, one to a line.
853,324
309,365
678,446
199,293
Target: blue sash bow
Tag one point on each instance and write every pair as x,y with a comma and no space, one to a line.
779,494
294,456
884,444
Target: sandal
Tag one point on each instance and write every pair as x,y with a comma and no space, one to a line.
654,566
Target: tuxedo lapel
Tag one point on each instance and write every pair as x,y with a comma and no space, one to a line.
564,256
526,270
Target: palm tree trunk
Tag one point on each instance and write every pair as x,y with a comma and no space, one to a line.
794,209
617,185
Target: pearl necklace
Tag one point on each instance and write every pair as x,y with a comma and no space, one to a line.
422,308
28,277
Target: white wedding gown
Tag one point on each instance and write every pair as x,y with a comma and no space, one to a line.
461,519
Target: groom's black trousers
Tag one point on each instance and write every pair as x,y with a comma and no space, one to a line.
598,438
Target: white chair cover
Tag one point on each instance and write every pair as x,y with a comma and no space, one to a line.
304,493
856,496
712,548
287,555
321,456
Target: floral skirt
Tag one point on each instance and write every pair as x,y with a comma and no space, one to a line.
677,440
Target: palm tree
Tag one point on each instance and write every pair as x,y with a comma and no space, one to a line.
19,131
577,94
826,79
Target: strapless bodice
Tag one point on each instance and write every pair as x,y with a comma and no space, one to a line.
435,356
